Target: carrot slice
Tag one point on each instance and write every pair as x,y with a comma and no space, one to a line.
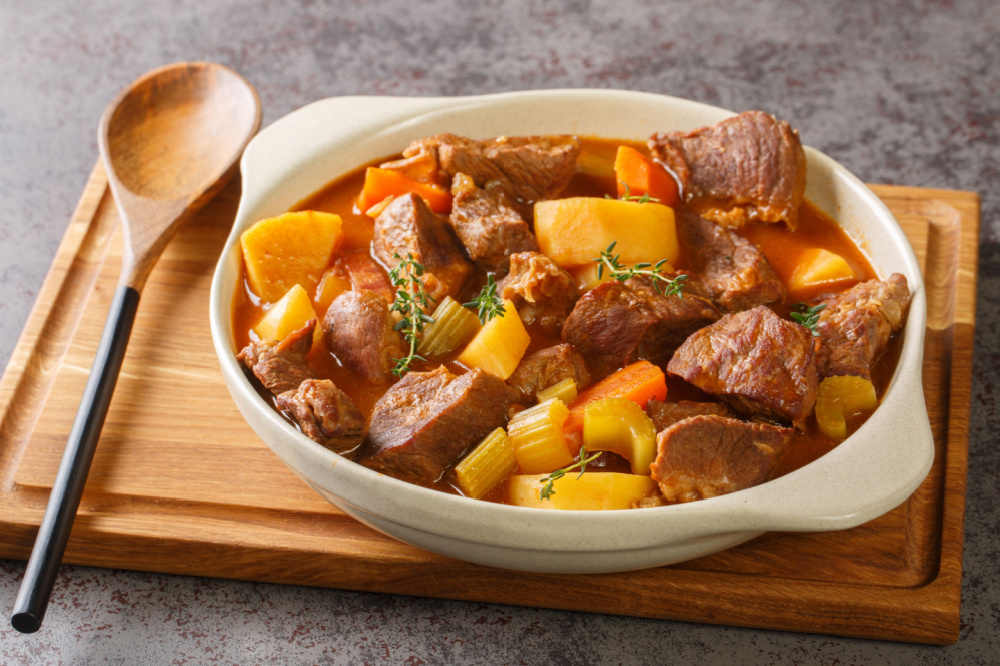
638,382
643,176
382,183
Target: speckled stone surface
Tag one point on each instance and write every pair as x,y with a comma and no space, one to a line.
899,92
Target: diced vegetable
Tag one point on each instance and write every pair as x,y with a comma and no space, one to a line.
638,382
489,463
335,282
499,345
565,390
366,274
637,175
289,314
620,426
593,491
293,248
537,437
382,183
573,232
840,396
453,327
819,267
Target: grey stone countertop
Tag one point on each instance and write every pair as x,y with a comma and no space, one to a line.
901,92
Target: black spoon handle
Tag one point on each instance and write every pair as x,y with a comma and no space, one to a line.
40,574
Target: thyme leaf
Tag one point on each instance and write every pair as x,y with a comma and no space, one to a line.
487,302
547,488
664,285
808,316
411,299
628,196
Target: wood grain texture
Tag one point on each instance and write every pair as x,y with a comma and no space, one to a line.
180,484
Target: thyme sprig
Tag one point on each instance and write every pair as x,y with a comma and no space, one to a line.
411,299
628,196
808,316
548,490
666,286
487,302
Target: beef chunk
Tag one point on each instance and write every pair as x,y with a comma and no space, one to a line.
281,366
857,324
428,420
408,226
542,292
547,367
359,330
326,415
665,414
706,456
488,225
732,269
617,323
759,363
527,168
749,167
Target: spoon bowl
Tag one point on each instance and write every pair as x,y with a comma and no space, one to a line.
169,142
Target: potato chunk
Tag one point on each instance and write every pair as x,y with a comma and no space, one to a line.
819,267
289,314
293,248
498,346
593,491
573,232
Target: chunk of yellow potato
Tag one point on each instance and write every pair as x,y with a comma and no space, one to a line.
620,426
838,397
288,315
498,346
335,282
293,248
593,491
573,232
819,267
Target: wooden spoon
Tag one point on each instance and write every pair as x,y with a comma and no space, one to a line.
169,143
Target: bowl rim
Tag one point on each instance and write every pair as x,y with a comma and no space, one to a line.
758,509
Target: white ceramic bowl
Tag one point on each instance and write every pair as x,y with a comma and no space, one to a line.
872,472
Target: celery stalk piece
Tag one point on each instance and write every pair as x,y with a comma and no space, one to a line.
453,327
565,390
537,437
621,426
487,465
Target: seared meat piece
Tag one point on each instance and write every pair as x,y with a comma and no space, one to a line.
542,292
359,330
428,420
281,366
616,323
408,226
759,363
326,415
488,225
547,367
730,267
750,167
705,456
665,414
527,168
857,324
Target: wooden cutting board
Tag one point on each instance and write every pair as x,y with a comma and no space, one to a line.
180,483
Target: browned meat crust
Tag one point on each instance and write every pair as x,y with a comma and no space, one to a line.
428,420
856,325
540,289
617,323
527,168
488,225
665,414
281,366
408,227
326,415
760,364
749,167
731,268
707,456
547,367
359,330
